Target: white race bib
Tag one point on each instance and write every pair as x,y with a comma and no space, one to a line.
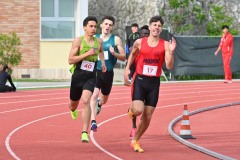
150,70
105,55
87,66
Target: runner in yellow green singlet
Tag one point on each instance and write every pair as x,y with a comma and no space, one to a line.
83,56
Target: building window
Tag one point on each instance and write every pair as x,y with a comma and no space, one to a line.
58,19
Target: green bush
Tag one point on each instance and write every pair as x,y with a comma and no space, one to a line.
184,19
9,49
218,19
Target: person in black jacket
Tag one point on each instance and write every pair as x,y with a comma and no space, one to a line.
4,76
130,41
133,36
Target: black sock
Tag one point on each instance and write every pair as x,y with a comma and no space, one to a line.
94,121
84,132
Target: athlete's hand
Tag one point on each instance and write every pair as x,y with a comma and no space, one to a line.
104,68
172,45
91,52
126,75
216,53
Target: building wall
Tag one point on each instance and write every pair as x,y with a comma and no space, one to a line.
22,17
54,54
40,58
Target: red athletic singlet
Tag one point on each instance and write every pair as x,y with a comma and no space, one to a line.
150,59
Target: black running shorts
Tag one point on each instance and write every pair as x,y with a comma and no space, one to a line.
80,83
104,81
146,89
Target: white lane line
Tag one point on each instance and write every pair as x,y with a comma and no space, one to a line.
172,88
195,146
35,95
7,140
35,100
162,99
56,92
209,91
108,120
41,106
97,145
33,107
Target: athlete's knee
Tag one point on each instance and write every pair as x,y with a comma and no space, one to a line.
86,100
148,112
148,116
94,97
137,111
103,100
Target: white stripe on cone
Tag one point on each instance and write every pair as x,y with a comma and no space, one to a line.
185,112
185,122
185,132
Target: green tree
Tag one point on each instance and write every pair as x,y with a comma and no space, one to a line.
9,49
218,19
179,18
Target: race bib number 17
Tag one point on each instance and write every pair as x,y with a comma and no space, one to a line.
87,66
150,70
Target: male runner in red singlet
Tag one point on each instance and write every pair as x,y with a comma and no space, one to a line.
144,32
152,52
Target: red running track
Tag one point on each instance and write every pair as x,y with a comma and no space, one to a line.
36,124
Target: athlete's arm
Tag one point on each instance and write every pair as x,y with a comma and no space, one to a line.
122,55
101,55
11,82
131,58
169,53
73,57
216,53
220,46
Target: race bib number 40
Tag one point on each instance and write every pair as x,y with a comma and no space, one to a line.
87,66
150,70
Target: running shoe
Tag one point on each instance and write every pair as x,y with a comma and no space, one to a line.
99,108
130,113
94,126
228,81
133,132
136,146
74,114
85,137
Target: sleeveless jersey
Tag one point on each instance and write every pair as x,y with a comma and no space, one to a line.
150,59
110,60
88,65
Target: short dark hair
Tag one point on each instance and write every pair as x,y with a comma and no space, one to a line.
89,18
144,27
111,18
5,67
225,26
134,25
156,19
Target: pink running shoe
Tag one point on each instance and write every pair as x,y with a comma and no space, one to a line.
133,132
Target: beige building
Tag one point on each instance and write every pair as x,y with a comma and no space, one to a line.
47,29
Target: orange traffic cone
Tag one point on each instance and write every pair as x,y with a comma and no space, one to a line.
185,131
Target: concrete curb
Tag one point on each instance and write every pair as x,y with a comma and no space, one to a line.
194,146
